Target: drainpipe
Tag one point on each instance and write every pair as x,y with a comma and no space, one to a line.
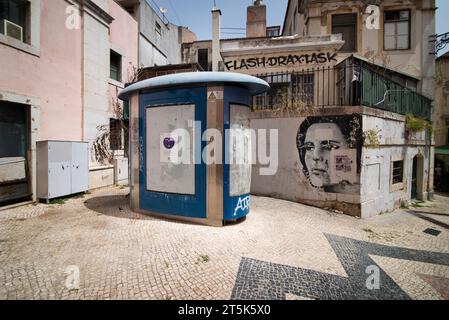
216,55
82,12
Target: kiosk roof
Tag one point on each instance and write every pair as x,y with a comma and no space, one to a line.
254,85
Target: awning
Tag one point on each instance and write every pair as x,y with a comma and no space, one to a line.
443,151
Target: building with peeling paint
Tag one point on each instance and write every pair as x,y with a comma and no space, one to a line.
345,100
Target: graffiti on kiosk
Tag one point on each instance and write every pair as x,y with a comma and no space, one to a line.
242,205
291,59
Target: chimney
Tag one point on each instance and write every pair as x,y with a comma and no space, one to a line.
256,22
216,55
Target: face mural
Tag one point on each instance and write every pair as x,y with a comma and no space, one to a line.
329,151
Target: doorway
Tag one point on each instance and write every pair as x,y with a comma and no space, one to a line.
418,178
14,153
414,179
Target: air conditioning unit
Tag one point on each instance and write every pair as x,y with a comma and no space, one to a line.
13,30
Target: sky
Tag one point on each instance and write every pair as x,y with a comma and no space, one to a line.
196,14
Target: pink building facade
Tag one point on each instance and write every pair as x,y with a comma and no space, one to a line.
61,66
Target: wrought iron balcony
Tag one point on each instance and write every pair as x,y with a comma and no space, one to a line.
351,83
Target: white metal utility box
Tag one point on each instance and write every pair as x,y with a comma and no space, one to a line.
62,168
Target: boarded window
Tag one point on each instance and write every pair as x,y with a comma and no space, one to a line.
346,25
398,172
203,59
115,66
397,30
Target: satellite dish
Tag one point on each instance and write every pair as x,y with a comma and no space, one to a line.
163,10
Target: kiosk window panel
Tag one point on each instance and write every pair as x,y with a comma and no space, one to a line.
240,151
170,156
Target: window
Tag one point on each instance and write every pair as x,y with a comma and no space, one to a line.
279,95
158,31
115,66
273,31
398,172
397,30
302,85
203,59
13,19
346,25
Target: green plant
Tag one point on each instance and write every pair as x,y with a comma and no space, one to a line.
415,124
371,138
57,201
404,205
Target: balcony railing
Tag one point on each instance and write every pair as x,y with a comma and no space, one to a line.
351,83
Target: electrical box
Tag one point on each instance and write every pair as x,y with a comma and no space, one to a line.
121,171
62,168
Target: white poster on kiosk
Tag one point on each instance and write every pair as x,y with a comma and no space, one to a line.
170,149
240,151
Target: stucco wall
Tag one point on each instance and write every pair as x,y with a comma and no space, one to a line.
378,194
441,112
319,182
365,192
149,55
169,45
54,77
97,109
123,38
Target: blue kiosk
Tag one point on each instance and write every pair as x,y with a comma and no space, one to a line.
190,145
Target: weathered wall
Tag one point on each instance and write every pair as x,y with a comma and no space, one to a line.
149,55
416,61
334,170
100,92
319,160
378,193
96,74
264,55
441,111
168,44
123,38
190,51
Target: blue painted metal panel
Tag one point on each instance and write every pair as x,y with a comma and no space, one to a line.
233,207
173,204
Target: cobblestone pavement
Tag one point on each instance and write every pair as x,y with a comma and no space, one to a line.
282,250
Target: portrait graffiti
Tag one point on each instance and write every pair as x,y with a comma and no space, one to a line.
329,151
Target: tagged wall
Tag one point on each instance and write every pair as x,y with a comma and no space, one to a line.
319,161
